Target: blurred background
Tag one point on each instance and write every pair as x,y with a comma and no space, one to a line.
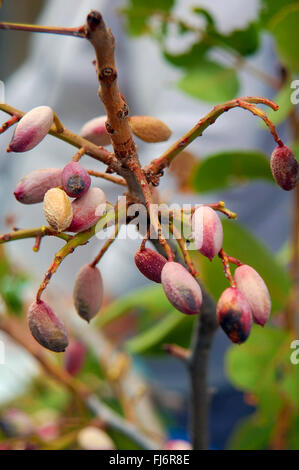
158,61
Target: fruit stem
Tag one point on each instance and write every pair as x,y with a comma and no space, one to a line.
10,122
37,243
182,244
78,154
106,176
220,207
227,272
157,165
145,238
58,124
106,246
77,240
177,351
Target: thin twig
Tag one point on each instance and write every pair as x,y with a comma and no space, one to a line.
43,231
106,176
182,244
227,272
77,32
10,122
78,155
77,240
178,352
157,165
106,246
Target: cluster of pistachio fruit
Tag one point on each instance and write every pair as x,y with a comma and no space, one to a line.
247,300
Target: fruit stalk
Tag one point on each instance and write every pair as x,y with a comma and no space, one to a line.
157,165
106,246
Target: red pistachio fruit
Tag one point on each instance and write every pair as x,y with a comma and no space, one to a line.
74,357
207,231
75,179
234,315
46,327
181,289
150,264
284,167
31,129
32,188
87,210
254,289
88,292
95,131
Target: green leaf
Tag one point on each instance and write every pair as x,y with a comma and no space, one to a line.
253,365
122,442
293,433
227,169
262,367
138,13
11,290
239,242
206,14
146,299
284,27
251,434
244,41
210,82
189,59
91,367
270,8
175,328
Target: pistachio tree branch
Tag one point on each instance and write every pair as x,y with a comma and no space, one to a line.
197,363
117,124
247,102
42,231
